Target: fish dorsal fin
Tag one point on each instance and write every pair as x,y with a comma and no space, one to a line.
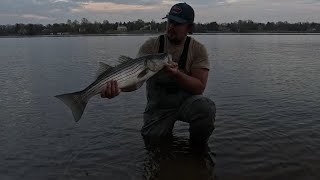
103,67
124,59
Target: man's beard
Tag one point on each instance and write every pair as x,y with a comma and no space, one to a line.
174,40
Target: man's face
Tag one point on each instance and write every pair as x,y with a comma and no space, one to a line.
177,32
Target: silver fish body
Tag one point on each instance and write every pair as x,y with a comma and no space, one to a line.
130,72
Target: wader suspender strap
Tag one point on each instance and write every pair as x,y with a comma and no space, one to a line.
161,46
184,55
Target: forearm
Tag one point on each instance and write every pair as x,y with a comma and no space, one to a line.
191,84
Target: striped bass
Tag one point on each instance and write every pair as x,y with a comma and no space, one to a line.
130,72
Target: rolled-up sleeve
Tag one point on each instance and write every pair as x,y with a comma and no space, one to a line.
147,47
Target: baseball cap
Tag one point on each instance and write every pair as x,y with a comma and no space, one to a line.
181,13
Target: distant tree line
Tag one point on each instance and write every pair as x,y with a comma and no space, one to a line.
140,26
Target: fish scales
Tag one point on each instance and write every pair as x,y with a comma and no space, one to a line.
130,72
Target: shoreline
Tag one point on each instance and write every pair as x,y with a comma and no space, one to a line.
149,34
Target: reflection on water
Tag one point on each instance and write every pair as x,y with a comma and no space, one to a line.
176,159
169,159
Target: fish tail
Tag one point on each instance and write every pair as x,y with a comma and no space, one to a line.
76,102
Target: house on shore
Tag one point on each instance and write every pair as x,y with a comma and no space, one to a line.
122,28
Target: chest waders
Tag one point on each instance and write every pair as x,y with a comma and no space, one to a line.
168,102
163,91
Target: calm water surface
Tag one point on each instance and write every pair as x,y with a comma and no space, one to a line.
266,89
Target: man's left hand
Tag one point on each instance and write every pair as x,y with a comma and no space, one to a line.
172,69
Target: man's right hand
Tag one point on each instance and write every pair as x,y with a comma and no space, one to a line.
110,90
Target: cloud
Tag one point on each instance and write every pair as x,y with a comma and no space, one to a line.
56,1
55,10
13,11
127,2
110,7
168,2
261,11
33,16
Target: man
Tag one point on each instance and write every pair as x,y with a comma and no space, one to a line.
175,93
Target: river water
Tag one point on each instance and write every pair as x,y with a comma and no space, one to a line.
266,89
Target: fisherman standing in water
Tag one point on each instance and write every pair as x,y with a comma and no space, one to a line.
175,93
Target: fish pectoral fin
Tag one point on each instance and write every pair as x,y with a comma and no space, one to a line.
103,67
127,89
142,73
133,87
139,84
124,59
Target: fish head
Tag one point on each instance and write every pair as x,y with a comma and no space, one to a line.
156,62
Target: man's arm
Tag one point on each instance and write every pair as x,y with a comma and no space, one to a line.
195,83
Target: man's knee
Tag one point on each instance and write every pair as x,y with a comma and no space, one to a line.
201,108
201,116
155,128
205,105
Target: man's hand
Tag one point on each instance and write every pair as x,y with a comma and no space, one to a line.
172,69
194,83
110,90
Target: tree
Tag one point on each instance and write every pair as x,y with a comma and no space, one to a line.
84,21
213,26
86,27
139,24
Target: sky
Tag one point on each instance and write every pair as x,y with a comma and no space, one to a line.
221,11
